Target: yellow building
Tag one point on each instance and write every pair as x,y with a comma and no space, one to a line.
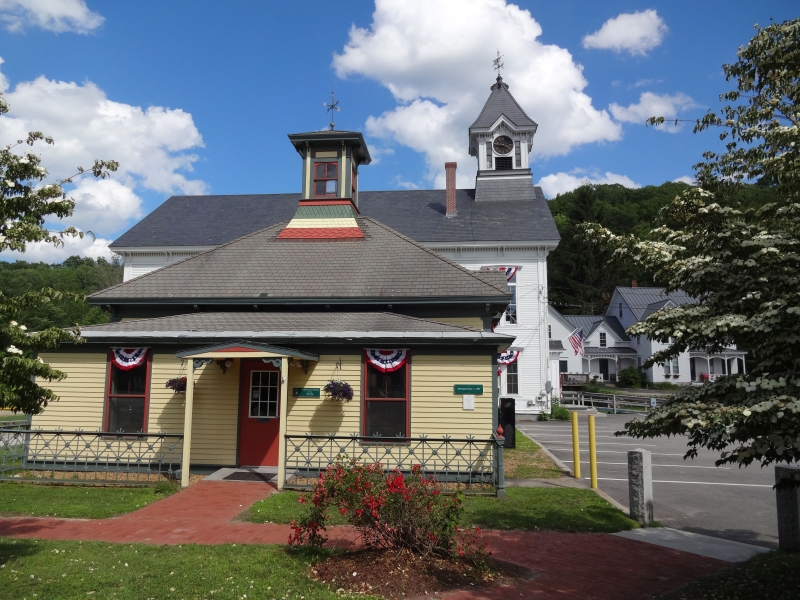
327,335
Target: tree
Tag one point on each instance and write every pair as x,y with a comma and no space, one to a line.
742,265
25,204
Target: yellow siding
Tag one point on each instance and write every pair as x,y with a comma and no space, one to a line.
436,410
474,322
318,415
81,394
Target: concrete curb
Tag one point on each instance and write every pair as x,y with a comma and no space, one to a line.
569,472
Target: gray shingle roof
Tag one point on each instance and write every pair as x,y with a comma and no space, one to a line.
500,189
639,299
501,102
384,265
418,214
281,321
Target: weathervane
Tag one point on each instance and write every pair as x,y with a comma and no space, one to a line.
497,61
333,106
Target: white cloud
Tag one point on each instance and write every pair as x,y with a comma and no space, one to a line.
407,185
53,15
635,33
561,183
685,179
102,204
41,252
654,105
435,58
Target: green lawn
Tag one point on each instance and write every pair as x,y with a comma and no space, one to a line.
71,570
773,576
73,501
542,509
527,461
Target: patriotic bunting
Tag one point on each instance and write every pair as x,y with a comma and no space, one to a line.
510,271
386,361
506,358
128,358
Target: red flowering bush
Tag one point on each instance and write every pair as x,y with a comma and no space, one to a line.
390,510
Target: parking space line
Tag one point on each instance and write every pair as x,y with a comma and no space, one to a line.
656,465
690,482
612,451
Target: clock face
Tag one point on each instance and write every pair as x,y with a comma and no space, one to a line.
503,144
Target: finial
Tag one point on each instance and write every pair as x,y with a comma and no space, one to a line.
497,62
333,106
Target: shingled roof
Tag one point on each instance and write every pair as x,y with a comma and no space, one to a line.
418,214
272,326
501,102
384,265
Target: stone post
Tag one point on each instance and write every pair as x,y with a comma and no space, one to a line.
788,499
640,485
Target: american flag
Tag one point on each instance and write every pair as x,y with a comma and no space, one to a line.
576,340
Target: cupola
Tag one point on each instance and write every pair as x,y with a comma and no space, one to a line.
329,200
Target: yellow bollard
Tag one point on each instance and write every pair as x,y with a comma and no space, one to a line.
576,448
592,453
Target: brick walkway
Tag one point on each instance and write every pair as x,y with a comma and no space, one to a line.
567,565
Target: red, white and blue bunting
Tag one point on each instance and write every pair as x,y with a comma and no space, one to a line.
386,361
128,358
506,358
510,271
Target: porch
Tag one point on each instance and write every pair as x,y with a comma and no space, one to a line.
708,367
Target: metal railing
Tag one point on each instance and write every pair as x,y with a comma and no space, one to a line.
614,403
474,465
88,458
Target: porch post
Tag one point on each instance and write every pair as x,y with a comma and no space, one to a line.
283,409
187,423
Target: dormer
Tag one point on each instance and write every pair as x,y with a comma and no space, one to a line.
330,164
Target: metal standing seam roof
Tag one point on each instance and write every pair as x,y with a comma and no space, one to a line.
590,323
282,325
418,214
640,299
501,102
384,265
609,351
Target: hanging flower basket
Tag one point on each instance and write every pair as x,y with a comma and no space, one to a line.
339,390
177,384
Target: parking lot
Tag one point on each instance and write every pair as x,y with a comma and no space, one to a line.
695,495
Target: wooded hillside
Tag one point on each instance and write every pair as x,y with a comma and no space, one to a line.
580,276
77,275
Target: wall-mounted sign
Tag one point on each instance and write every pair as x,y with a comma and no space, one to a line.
468,402
305,392
467,388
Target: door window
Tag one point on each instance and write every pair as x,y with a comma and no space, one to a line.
264,393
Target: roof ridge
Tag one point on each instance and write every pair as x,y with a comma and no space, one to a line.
188,258
434,254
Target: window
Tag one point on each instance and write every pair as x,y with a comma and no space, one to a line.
511,311
488,155
386,402
353,182
264,390
667,372
638,340
675,368
563,366
549,332
602,340
620,310
502,163
512,378
326,175
127,397
517,155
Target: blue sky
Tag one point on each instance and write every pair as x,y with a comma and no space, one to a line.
195,99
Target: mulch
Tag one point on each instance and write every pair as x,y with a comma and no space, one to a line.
402,574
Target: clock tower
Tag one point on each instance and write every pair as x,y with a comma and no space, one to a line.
501,139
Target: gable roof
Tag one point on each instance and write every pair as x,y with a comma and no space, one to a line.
643,301
418,214
501,102
385,265
590,323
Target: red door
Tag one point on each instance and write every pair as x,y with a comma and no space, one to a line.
259,415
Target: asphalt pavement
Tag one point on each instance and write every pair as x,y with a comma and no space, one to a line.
691,495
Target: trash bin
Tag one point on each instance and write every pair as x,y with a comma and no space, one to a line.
507,420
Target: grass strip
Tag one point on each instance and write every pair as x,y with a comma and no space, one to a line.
774,575
73,501
72,570
535,509
528,461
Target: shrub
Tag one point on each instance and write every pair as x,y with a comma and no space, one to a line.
389,510
630,377
592,387
557,412
664,385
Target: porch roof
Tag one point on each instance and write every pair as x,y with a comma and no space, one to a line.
610,351
263,327
244,349
723,354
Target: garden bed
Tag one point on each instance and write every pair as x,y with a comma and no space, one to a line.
402,574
